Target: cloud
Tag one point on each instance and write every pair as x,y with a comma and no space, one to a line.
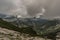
12,7
52,7
30,7
34,6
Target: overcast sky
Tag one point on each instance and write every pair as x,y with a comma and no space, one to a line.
30,7
12,7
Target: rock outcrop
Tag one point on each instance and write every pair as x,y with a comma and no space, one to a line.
6,34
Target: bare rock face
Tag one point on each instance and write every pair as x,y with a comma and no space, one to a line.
6,34
58,36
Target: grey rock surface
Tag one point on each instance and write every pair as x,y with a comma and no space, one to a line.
6,34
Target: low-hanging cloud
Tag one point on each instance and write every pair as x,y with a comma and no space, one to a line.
34,6
12,7
30,7
52,7
21,7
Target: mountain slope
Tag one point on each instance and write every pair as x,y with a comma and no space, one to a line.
6,34
10,26
49,29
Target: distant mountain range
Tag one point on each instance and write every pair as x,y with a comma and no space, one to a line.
2,15
7,17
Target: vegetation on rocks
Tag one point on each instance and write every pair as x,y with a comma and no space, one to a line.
50,28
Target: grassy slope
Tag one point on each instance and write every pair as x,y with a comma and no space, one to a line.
26,30
10,26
